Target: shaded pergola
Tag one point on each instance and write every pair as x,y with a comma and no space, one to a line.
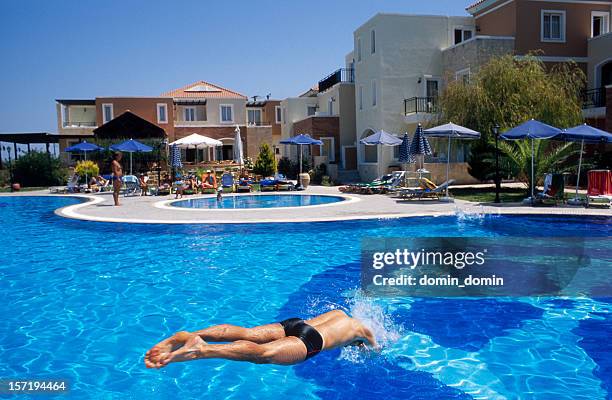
30,138
129,126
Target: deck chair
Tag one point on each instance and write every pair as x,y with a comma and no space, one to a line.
393,182
426,191
599,192
282,183
554,190
227,182
132,186
72,186
244,186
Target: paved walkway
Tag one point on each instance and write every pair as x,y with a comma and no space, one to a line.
156,210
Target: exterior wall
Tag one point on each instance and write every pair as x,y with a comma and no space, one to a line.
318,127
578,27
497,21
213,113
474,53
408,49
600,53
144,107
293,109
269,116
255,136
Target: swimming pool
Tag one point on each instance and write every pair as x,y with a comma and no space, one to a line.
257,201
84,301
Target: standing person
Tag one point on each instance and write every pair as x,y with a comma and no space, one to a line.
117,175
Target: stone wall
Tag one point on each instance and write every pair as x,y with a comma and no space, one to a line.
474,53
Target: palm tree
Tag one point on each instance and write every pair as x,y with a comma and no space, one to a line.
515,158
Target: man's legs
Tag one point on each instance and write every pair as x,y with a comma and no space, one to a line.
232,333
116,190
285,351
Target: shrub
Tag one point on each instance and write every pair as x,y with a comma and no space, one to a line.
87,168
39,169
286,167
318,173
265,164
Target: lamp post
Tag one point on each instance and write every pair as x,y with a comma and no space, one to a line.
163,144
497,180
10,166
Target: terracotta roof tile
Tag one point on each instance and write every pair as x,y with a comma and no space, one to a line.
202,89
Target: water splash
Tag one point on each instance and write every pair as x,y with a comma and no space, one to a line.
373,315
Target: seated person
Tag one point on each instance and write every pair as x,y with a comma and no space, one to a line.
209,180
142,182
284,343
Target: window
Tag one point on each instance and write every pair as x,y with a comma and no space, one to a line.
254,116
327,148
190,113
358,49
311,110
65,115
463,76
373,93
553,26
461,35
226,113
330,107
373,41
600,23
162,113
396,152
278,114
361,97
107,112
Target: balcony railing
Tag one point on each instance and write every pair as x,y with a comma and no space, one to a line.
594,98
258,123
79,124
417,105
340,75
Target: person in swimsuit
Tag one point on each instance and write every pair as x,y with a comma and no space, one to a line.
209,181
117,174
284,343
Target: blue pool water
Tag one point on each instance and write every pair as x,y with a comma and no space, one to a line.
258,201
84,301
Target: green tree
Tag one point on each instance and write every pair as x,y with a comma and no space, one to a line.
509,91
266,162
39,169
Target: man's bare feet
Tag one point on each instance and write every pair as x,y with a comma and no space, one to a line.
190,351
165,347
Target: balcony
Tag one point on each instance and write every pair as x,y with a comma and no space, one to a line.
259,123
594,98
420,105
340,75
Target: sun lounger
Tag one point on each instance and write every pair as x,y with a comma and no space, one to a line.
267,185
599,192
375,186
72,186
244,186
554,190
132,185
426,192
227,182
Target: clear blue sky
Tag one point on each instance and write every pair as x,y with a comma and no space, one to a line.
84,49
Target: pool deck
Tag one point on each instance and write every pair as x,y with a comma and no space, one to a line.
150,209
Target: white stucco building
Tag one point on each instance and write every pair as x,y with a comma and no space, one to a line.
398,57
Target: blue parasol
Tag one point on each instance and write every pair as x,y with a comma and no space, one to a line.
131,146
533,130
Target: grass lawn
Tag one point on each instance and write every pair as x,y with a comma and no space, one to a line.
487,195
23,189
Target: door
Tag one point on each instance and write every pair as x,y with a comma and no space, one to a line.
350,157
